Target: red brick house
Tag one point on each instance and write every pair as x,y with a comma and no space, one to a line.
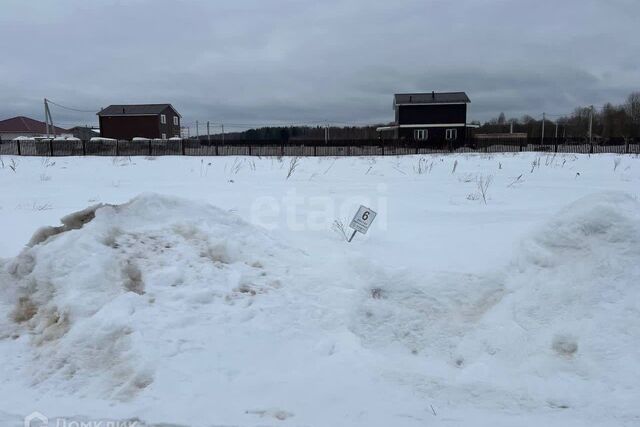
139,120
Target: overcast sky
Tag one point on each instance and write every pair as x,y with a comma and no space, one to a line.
286,61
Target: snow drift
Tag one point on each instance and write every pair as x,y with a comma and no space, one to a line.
557,327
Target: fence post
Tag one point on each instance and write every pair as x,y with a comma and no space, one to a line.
117,149
182,147
281,149
51,148
590,148
217,153
315,150
84,149
626,146
19,150
149,147
249,149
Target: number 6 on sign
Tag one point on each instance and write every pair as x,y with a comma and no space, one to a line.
362,221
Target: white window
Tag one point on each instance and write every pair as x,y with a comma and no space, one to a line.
164,136
452,134
175,120
420,134
163,119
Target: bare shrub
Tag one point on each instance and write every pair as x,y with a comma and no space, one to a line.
483,184
293,164
330,166
121,161
340,227
41,206
516,181
234,169
47,163
421,166
467,178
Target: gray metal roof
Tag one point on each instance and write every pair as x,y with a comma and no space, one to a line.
135,110
431,98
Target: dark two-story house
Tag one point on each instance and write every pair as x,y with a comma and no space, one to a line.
139,120
433,118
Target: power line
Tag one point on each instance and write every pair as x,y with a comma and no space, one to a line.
70,108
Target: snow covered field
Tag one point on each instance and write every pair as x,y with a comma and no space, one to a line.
214,291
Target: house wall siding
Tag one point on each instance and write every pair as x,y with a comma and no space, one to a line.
169,129
437,135
128,127
431,114
146,126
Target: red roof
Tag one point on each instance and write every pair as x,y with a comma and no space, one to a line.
26,125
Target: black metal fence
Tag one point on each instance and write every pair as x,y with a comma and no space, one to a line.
196,147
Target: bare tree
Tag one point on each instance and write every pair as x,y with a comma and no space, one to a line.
632,108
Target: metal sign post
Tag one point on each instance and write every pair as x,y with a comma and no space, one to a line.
361,221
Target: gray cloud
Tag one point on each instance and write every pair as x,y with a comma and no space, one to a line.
285,61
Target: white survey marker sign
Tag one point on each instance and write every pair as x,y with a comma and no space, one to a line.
363,219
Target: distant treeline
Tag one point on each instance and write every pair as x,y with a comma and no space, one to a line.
296,133
608,122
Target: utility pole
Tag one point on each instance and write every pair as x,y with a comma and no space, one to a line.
542,136
511,127
556,131
590,123
222,125
46,116
197,130
48,119
208,134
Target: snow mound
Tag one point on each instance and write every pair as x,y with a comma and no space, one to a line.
559,326
95,295
572,306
